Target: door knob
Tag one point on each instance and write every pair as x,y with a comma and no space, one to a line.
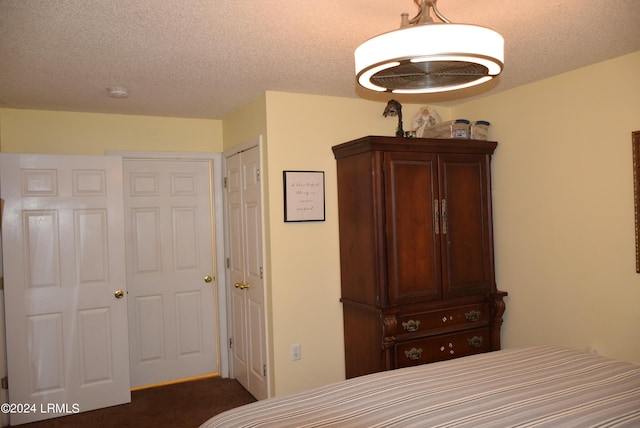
119,294
241,285
208,279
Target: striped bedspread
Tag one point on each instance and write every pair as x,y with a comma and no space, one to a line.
540,386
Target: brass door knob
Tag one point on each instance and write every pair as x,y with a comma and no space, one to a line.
241,285
119,294
208,279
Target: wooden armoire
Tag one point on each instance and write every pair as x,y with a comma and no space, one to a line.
416,251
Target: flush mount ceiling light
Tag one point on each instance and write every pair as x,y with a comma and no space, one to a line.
425,56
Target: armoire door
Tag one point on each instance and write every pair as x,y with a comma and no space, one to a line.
245,267
65,285
170,274
413,227
466,243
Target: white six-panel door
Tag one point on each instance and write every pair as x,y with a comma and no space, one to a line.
170,275
246,275
65,289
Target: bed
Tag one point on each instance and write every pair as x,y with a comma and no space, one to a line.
537,386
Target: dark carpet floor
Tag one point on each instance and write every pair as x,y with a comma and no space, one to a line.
186,404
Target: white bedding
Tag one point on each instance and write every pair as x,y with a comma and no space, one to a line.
541,386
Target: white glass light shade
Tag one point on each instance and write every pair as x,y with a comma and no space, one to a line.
444,56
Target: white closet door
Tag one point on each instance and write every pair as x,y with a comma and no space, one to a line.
246,272
170,275
64,276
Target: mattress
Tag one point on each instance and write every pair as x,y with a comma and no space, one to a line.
538,386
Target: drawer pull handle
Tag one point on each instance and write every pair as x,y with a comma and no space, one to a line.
475,341
411,325
472,316
413,354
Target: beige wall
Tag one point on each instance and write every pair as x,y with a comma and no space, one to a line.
245,124
55,132
563,207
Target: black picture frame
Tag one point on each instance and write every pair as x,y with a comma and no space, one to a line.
635,144
304,198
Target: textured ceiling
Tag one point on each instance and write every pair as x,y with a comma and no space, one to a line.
206,58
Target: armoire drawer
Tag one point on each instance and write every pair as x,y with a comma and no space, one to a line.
426,321
443,347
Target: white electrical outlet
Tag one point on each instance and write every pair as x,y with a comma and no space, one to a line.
296,352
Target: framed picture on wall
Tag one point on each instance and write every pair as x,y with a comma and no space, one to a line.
303,196
635,143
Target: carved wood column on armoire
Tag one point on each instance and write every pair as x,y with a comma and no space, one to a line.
416,251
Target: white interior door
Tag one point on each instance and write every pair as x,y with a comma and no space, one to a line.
66,327
170,274
246,273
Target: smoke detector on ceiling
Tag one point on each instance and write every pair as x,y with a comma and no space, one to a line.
118,92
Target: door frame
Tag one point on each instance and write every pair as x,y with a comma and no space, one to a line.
257,141
219,226
4,393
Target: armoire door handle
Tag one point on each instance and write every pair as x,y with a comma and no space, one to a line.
436,215
444,216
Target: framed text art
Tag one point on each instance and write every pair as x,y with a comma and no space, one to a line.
635,142
303,195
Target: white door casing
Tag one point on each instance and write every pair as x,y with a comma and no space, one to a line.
4,394
63,243
246,271
170,272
